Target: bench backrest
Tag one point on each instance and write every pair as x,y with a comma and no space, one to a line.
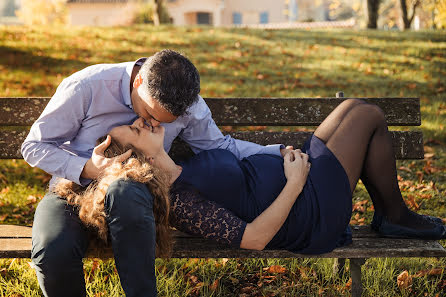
280,115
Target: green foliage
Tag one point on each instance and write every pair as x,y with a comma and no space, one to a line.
144,14
242,62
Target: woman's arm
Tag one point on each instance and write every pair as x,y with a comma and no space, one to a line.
259,232
193,214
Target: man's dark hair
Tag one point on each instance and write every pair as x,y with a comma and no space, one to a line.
172,80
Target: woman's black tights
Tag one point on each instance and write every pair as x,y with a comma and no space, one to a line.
357,134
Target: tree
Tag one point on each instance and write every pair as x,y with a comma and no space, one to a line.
372,11
157,10
145,14
405,14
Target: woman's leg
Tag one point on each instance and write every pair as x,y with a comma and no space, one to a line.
362,144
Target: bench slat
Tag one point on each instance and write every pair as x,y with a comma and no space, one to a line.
407,144
244,111
15,242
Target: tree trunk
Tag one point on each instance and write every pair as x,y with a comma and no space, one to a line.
406,19
372,11
157,12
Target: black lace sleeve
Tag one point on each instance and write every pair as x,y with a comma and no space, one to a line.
192,214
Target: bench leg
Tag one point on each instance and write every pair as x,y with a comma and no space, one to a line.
355,272
338,267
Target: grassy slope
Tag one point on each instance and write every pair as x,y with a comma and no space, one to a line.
240,62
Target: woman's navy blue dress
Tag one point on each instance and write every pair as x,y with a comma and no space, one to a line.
318,220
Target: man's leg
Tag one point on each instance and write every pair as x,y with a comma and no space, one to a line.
129,208
59,242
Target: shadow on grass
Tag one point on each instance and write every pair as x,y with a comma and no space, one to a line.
13,58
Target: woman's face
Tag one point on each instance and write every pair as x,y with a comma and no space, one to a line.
147,140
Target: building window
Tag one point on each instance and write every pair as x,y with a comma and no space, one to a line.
236,18
264,17
203,18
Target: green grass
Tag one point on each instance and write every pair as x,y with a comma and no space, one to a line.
242,62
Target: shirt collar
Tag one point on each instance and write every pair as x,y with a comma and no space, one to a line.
125,81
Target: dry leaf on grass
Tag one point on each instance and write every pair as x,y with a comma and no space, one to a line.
275,269
348,285
31,199
214,285
405,169
434,271
404,280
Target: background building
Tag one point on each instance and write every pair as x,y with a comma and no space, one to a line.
244,12
186,12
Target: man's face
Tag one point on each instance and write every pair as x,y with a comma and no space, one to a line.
150,109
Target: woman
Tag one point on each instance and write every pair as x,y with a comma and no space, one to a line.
277,206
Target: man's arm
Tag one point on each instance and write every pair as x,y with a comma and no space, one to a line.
202,133
58,123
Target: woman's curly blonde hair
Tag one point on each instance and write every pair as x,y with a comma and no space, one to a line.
90,200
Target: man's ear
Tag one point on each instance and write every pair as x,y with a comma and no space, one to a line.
137,81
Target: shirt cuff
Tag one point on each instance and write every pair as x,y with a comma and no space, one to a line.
273,149
74,170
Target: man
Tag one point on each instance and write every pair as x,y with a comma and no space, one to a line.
163,89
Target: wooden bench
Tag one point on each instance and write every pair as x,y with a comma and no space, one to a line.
17,114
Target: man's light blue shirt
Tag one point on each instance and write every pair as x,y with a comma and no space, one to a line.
89,103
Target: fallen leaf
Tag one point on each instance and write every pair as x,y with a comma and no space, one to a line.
224,261
405,169
214,285
420,175
404,280
412,203
348,285
3,217
275,269
95,266
435,271
193,279
428,149
31,199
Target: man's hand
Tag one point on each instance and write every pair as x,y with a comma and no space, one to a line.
286,150
98,162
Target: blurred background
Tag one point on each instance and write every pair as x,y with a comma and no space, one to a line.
383,14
